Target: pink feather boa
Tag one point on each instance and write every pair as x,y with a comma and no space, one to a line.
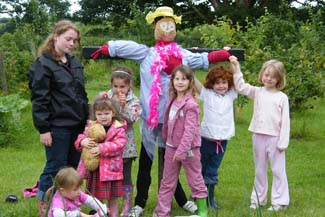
163,51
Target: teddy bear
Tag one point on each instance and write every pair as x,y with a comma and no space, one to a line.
97,132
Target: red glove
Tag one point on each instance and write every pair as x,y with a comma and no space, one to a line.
218,56
172,63
101,50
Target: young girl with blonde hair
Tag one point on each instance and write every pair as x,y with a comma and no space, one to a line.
270,126
68,197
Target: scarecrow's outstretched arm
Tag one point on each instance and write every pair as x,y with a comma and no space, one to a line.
102,52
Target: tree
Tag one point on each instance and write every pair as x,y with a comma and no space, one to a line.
100,11
18,8
193,12
12,7
57,9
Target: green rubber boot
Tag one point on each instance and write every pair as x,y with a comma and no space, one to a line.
202,209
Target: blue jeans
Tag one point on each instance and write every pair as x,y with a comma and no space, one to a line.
62,153
211,160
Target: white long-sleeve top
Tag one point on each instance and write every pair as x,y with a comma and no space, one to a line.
218,116
271,111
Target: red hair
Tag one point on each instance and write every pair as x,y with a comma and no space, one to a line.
216,73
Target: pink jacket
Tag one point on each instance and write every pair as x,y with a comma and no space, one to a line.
111,152
185,132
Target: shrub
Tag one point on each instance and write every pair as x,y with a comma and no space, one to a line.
10,110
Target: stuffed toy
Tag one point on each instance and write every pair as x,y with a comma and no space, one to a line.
97,132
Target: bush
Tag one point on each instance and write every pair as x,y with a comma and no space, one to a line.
10,110
299,47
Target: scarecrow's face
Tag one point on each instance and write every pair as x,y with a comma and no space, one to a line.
165,29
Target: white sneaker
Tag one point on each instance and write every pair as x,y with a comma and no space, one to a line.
255,206
190,206
136,211
275,208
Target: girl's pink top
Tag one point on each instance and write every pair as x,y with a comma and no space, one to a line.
183,132
271,111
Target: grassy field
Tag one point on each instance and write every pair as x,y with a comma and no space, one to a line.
23,160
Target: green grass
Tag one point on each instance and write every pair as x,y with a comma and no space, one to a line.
23,160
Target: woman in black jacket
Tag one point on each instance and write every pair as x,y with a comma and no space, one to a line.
59,103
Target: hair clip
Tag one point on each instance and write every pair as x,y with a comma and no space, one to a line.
123,72
105,95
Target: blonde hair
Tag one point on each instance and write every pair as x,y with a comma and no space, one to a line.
60,28
66,178
189,74
278,70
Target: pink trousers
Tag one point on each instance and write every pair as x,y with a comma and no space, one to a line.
265,150
192,169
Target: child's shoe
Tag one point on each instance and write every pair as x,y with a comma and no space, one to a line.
210,199
255,206
276,208
190,206
136,211
127,200
202,209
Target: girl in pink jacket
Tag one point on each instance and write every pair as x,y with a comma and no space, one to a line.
181,131
105,183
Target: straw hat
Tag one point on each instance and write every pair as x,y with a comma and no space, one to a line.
162,12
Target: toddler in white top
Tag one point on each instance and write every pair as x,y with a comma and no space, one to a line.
217,126
270,126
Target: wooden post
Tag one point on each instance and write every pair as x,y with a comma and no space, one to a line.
4,85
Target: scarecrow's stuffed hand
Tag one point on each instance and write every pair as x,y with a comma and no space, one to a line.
172,63
218,56
101,50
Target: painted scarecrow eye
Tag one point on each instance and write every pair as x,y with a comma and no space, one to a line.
163,26
171,26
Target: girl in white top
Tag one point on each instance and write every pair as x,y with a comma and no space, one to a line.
218,126
271,131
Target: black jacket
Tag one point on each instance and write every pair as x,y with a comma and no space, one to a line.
57,93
